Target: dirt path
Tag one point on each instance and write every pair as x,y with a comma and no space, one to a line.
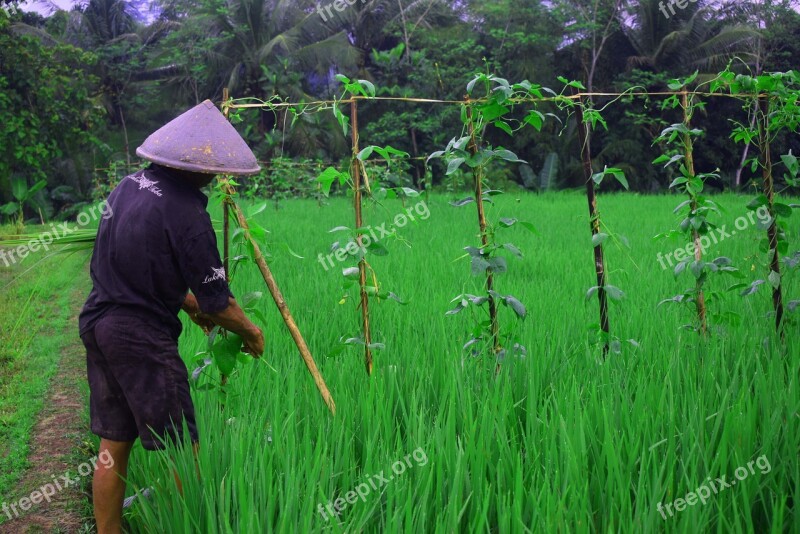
57,441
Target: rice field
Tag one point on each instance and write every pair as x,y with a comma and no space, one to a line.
435,441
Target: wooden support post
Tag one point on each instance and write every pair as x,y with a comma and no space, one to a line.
356,171
478,175
700,298
280,302
769,192
594,221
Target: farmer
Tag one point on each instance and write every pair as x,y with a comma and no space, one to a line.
157,255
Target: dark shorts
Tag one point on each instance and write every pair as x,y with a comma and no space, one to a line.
139,386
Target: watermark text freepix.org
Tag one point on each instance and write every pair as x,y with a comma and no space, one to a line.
56,231
336,506
714,237
704,491
672,4
376,234
338,5
59,483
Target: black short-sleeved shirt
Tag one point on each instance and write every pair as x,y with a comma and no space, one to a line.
157,244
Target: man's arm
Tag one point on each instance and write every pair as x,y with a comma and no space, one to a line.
192,309
231,318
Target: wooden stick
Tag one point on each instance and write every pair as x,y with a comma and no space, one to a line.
226,225
700,298
769,192
478,175
356,172
305,353
594,221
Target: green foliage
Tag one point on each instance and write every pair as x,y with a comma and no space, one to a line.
698,208
46,108
494,101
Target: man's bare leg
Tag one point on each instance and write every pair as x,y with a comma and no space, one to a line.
108,486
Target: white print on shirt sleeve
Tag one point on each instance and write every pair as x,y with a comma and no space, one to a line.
145,183
219,274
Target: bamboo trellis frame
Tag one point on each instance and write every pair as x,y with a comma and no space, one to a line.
576,97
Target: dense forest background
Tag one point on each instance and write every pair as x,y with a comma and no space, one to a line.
81,89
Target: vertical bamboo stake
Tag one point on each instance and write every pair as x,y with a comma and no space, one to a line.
277,296
356,173
769,192
478,174
594,221
700,299
226,221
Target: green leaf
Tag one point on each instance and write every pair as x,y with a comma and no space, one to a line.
752,288
697,268
378,249
498,265
774,279
36,188
493,111
369,87
454,165
256,210
760,200
614,293
9,209
535,119
251,298
512,249
462,202
19,188
225,351
479,265
782,210
351,273
504,126
366,153
327,178
591,292
517,306
620,177
599,239
508,156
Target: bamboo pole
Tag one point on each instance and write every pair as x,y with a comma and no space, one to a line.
594,222
769,192
280,302
700,298
356,173
226,221
478,174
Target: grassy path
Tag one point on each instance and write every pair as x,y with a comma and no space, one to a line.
42,395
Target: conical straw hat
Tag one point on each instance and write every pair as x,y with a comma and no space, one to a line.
200,140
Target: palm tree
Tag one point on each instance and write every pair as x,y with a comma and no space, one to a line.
690,39
254,37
